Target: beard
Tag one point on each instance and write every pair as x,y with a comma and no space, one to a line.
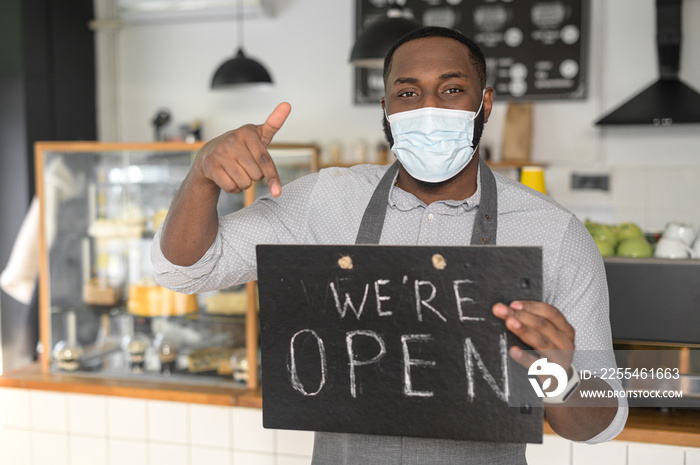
479,124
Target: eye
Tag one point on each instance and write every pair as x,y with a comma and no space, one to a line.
408,93
453,90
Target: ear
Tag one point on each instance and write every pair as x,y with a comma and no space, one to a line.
488,103
382,101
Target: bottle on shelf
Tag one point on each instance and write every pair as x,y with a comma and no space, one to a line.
67,353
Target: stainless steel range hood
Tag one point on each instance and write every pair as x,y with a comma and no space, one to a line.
668,100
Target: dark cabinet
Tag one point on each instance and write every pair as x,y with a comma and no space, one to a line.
654,300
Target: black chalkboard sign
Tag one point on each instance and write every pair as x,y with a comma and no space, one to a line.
395,340
534,49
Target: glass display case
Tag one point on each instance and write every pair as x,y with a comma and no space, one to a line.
101,312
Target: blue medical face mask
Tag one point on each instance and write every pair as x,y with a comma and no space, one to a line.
433,144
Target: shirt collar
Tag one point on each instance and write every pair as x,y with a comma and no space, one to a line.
405,201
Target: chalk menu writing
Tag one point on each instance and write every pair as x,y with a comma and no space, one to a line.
534,49
395,340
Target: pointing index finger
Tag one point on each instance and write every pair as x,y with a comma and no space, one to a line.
266,132
274,122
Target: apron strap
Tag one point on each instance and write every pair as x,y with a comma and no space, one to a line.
373,220
485,224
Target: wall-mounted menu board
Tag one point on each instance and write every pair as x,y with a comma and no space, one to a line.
535,49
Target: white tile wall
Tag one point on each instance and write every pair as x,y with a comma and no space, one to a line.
167,422
609,453
248,433
252,458
659,217
553,451
692,457
292,460
210,456
16,446
210,426
49,411
650,195
647,454
171,454
679,186
126,451
49,448
126,418
14,408
102,430
639,215
87,450
87,415
295,442
38,427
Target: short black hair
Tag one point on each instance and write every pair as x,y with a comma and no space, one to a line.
476,56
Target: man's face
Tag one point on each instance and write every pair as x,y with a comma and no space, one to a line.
434,72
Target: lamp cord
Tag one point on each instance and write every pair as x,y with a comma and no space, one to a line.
240,24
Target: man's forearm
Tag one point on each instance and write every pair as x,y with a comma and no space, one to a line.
580,419
192,222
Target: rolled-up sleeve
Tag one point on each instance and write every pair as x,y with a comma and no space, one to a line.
185,279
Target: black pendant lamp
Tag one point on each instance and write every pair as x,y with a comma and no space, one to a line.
372,45
240,70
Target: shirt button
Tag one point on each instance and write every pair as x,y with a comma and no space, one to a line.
431,216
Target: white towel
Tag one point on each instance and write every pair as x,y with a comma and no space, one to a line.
19,277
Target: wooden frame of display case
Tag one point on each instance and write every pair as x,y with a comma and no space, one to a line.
251,316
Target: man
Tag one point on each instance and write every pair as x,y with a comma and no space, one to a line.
435,107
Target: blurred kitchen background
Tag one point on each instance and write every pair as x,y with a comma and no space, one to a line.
654,172
146,63
107,70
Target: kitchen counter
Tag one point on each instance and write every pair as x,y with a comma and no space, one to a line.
32,377
677,428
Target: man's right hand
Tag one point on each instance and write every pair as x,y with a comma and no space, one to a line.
235,159
232,162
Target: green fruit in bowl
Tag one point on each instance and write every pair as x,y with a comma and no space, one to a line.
603,233
635,247
628,230
607,248
591,225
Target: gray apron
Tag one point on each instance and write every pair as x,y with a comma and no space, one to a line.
360,449
485,224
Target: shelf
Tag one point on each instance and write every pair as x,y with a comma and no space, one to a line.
32,377
120,309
